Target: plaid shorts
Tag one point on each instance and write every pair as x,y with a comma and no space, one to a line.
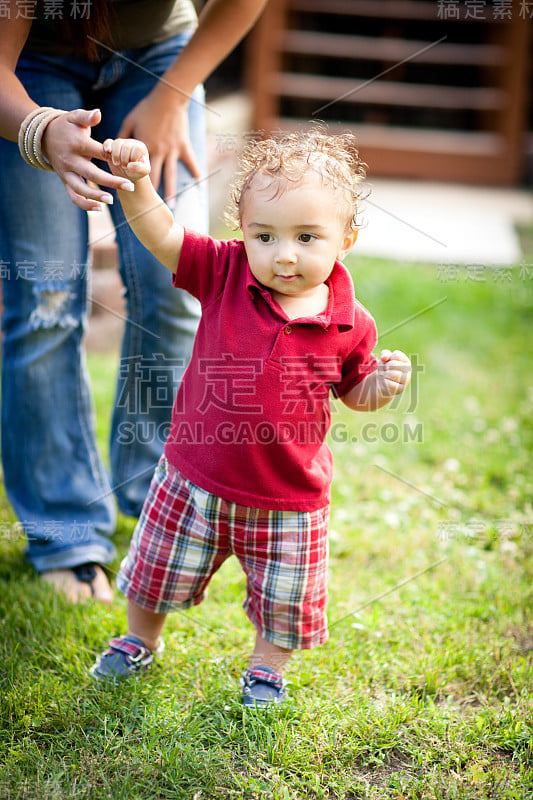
183,536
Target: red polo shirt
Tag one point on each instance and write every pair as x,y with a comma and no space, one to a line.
252,411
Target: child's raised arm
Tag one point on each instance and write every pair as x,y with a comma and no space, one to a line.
148,216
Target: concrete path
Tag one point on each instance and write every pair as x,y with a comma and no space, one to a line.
443,223
404,220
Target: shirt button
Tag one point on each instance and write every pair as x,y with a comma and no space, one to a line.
288,329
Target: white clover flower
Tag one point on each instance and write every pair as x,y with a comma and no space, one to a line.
451,465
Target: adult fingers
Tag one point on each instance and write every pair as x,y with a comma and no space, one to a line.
188,157
80,201
84,195
89,171
170,181
126,130
85,118
157,166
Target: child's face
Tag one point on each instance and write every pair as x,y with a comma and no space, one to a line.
293,237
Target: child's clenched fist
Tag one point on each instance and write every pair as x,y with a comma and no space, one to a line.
127,158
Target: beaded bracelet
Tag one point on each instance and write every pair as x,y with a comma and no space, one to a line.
31,134
25,152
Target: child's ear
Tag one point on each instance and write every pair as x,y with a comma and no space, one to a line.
347,244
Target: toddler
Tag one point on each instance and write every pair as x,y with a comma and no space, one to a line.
246,469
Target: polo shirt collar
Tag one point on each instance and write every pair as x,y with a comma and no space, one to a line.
341,304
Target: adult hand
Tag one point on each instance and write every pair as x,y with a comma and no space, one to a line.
69,147
160,121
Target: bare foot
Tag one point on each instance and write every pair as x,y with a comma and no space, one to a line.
65,580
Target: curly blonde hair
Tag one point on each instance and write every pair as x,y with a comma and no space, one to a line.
288,157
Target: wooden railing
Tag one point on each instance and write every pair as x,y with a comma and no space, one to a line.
427,96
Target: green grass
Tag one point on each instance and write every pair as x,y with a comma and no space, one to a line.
424,688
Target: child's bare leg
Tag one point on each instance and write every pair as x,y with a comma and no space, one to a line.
268,655
145,625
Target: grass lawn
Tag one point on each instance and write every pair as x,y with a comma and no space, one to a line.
424,689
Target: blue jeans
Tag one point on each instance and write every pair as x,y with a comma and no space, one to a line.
54,474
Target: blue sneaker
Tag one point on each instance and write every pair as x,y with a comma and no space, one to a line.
262,687
124,657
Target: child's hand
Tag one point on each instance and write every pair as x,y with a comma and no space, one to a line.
127,158
393,374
